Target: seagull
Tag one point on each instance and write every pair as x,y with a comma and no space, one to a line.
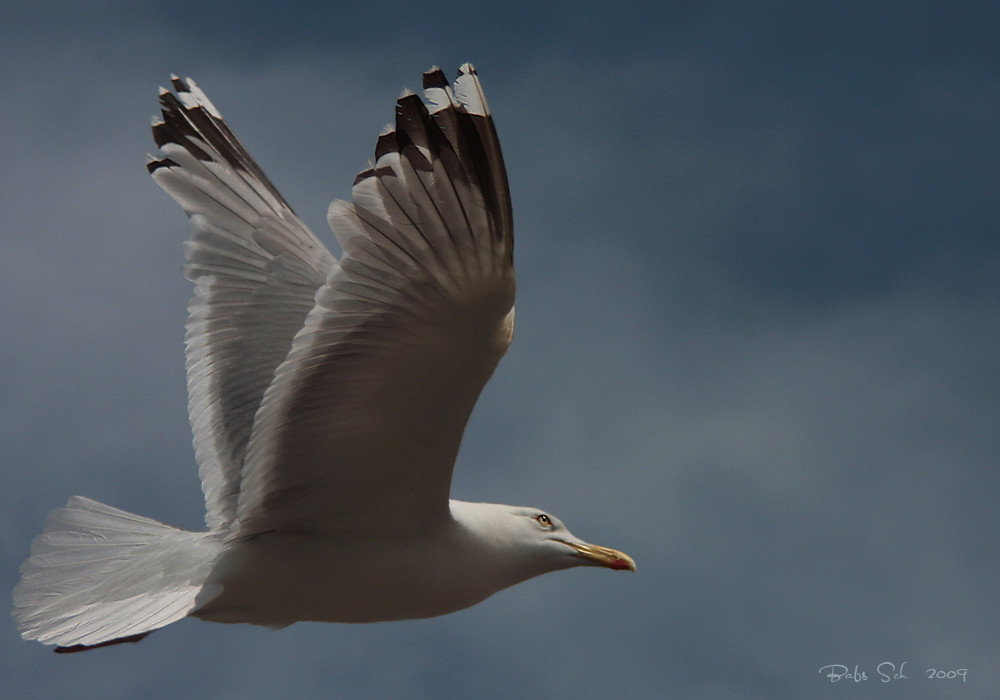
327,397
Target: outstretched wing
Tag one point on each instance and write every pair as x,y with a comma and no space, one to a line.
360,428
256,269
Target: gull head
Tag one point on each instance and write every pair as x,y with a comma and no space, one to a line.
526,542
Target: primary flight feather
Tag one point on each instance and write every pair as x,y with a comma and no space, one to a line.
327,397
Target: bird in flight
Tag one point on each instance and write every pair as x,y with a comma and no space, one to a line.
327,397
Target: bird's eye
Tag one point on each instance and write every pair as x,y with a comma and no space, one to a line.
543,520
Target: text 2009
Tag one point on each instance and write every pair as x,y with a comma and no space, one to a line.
938,674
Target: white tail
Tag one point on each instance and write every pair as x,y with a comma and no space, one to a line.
98,574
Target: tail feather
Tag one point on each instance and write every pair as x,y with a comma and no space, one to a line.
99,574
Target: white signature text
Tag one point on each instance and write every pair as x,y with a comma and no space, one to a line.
889,672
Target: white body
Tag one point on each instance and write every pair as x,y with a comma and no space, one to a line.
456,565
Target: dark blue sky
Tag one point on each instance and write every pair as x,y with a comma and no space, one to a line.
756,348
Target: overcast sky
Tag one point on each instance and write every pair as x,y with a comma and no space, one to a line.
757,342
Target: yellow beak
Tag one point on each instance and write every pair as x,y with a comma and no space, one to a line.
602,556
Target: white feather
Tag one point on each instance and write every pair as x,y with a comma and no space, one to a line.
98,573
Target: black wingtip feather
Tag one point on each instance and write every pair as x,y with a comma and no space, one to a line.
153,165
387,143
187,126
435,78
466,141
131,639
